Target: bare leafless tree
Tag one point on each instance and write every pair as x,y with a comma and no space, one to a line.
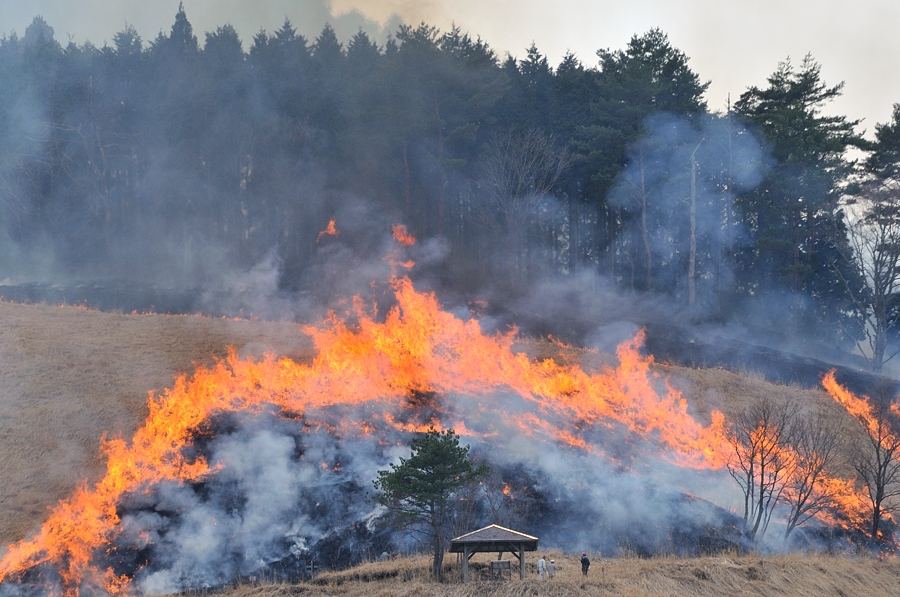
500,498
816,442
509,500
468,510
518,173
760,437
871,265
876,459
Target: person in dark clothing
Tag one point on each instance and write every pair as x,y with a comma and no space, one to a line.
585,563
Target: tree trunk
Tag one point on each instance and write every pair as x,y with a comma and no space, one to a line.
644,233
574,255
729,228
406,180
880,344
795,258
437,541
876,522
440,159
437,565
692,260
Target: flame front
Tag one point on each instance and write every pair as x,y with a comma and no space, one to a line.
418,349
850,501
859,409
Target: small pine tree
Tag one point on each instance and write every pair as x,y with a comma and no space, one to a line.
418,492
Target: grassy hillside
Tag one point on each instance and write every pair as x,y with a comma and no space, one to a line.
69,375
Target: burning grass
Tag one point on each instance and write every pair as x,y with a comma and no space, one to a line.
503,390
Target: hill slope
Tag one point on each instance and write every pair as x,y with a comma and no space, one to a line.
69,375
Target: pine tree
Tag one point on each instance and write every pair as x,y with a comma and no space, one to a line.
790,214
884,159
182,39
648,78
419,491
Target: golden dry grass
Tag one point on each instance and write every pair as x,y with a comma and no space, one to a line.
772,576
728,392
69,375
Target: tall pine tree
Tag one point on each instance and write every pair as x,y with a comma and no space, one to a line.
788,216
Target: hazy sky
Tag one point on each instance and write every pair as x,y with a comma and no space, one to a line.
732,43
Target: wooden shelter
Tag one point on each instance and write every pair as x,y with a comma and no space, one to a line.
493,538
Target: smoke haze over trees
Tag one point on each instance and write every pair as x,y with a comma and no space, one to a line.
169,161
277,165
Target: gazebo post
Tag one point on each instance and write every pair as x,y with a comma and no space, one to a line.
466,563
521,561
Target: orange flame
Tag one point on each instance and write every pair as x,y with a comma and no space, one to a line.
404,239
402,236
330,230
417,351
858,407
851,502
849,505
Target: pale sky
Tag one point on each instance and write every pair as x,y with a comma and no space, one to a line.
734,44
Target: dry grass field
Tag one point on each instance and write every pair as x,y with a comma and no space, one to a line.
70,375
725,576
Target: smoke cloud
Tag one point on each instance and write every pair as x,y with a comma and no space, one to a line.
286,492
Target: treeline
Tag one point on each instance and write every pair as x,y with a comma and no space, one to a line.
153,160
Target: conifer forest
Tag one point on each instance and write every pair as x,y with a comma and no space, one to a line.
160,160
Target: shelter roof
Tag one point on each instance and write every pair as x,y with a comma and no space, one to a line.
493,538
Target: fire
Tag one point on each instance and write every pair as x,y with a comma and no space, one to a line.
415,353
397,258
858,407
387,365
330,230
402,236
849,505
851,502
